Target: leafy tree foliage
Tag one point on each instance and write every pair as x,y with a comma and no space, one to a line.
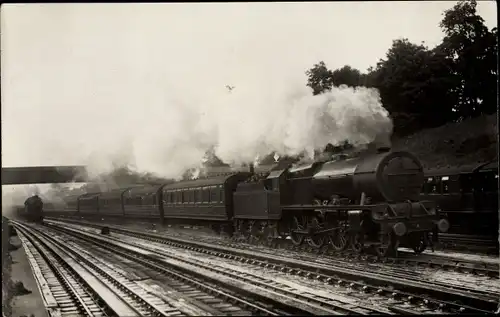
414,86
319,78
473,50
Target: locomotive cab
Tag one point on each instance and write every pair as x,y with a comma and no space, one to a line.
260,199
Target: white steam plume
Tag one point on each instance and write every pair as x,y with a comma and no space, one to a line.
250,123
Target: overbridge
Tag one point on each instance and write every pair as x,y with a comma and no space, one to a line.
43,175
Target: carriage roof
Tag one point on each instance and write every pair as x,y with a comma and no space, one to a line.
210,181
143,190
451,170
491,166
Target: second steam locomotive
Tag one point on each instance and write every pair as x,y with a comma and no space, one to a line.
368,201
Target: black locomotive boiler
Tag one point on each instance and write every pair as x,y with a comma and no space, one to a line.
367,201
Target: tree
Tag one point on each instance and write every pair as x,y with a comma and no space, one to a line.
348,76
319,78
414,83
472,50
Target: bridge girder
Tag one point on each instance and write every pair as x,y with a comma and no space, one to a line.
43,175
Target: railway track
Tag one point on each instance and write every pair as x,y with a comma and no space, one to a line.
292,299
184,296
386,286
465,242
73,286
406,258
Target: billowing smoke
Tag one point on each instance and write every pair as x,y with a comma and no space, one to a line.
239,128
248,124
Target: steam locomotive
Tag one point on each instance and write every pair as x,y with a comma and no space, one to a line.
367,201
32,211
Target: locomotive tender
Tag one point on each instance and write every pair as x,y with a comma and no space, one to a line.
367,201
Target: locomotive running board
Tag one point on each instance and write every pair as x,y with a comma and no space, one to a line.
327,207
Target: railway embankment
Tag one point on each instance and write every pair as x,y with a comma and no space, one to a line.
454,144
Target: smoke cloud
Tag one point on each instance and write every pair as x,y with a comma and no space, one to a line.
253,122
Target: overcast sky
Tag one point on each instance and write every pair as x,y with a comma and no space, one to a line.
74,74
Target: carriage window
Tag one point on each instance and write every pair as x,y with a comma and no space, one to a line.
430,185
206,195
214,194
445,184
436,186
490,182
466,183
198,195
183,195
221,190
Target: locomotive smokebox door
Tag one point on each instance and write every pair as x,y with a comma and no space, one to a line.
105,230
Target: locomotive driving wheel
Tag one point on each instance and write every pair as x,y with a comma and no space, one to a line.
316,241
297,223
339,238
357,242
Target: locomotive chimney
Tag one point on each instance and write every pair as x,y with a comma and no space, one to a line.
383,149
252,169
382,143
